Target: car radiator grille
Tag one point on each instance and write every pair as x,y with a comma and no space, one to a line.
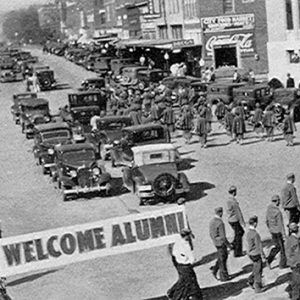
85,178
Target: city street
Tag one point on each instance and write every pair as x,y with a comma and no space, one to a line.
30,202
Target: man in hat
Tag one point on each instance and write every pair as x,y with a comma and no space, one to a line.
168,118
218,235
269,122
183,260
187,122
257,120
236,221
238,128
220,112
290,202
274,221
228,120
292,247
288,128
255,252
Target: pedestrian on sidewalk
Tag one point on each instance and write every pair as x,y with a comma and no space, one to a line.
256,254
238,128
228,121
290,202
288,128
183,259
236,221
290,82
269,122
292,247
257,121
218,235
275,224
220,112
201,129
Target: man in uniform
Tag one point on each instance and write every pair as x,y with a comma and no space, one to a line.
290,202
236,221
292,247
255,252
288,128
274,221
218,236
201,128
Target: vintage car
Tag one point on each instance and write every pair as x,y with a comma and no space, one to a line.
251,94
83,115
102,66
116,65
46,136
33,112
287,98
121,153
77,172
15,108
153,174
46,79
92,83
109,129
221,91
88,98
154,75
130,74
8,76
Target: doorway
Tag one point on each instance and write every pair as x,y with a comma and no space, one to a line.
226,56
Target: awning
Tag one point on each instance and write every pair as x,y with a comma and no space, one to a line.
159,44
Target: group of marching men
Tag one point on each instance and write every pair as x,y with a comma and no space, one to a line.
285,243
194,114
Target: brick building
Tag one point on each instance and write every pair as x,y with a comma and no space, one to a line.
284,38
235,33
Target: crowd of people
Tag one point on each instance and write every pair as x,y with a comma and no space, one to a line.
284,231
181,109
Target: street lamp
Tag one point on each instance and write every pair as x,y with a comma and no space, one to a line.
16,36
167,57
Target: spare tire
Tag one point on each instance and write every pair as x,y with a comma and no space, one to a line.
46,83
164,185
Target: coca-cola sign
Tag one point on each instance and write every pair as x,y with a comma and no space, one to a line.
245,42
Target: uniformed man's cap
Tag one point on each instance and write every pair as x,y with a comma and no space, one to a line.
232,189
218,210
185,231
290,176
275,198
293,226
253,220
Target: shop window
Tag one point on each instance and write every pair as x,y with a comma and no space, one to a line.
228,6
293,57
177,32
163,32
289,15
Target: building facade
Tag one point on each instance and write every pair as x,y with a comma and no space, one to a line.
50,19
234,33
284,38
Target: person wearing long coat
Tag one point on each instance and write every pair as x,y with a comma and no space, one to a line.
269,122
288,128
228,121
201,128
238,128
257,120
220,112
187,123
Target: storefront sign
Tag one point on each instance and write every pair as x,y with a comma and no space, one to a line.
62,246
244,40
226,23
183,43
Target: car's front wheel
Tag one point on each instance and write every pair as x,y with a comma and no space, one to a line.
164,185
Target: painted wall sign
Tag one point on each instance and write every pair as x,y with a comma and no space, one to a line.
226,23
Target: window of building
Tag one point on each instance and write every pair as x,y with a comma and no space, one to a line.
190,9
156,6
289,15
228,6
174,6
177,32
163,32
108,18
293,57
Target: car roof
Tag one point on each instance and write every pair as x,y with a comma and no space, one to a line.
85,93
227,84
34,102
94,79
143,127
134,67
52,126
74,147
25,95
85,108
143,71
153,148
251,87
115,118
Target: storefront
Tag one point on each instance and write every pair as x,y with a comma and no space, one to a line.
229,40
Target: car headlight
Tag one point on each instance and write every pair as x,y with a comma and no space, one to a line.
50,151
116,143
47,119
73,173
96,171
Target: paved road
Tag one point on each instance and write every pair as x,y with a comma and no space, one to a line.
29,202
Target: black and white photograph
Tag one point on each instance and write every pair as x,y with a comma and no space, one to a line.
150,149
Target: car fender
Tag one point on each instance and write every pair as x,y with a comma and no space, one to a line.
104,177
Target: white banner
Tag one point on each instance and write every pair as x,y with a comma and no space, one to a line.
62,246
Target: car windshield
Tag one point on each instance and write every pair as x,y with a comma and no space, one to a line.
149,135
58,134
81,155
34,109
107,125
